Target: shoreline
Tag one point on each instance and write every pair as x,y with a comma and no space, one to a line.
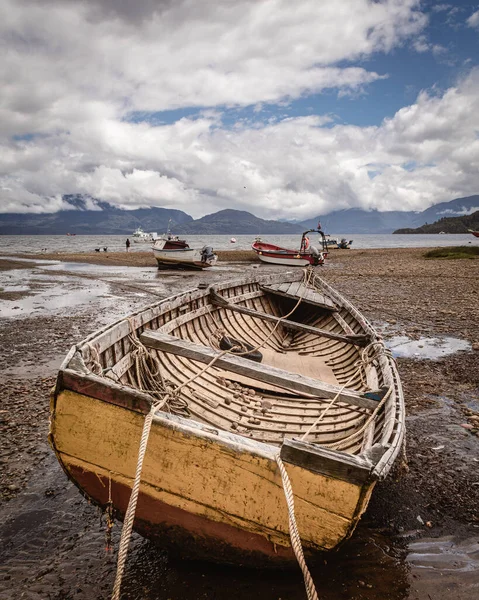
126,259
146,258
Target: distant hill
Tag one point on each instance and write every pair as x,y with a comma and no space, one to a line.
104,219
447,225
357,220
88,215
236,222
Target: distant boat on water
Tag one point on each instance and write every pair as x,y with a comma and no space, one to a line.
474,233
139,236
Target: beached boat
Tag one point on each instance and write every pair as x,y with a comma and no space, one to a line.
324,405
171,252
306,255
337,244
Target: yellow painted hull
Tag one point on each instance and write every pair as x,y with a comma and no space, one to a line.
200,492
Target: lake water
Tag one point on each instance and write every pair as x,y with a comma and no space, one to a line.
13,244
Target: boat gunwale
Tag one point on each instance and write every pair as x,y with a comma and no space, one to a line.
353,464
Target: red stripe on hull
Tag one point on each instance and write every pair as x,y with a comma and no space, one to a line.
181,532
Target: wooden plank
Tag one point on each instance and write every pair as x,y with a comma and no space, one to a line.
105,390
327,462
308,296
359,340
243,366
307,365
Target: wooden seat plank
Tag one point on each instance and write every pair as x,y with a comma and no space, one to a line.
257,371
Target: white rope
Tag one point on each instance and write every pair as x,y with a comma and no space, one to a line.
294,532
130,512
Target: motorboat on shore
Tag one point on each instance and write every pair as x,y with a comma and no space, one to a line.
324,406
170,251
278,255
337,243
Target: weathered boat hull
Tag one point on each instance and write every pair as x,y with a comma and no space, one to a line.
278,259
199,486
213,490
186,258
269,253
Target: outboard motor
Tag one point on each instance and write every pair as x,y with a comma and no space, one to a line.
317,255
207,254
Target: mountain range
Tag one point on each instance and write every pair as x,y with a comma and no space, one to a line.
448,225
107,219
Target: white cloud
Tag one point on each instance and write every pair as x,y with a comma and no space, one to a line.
74,71
473,20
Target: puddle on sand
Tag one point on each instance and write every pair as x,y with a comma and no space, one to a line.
425,348
444,568
38,293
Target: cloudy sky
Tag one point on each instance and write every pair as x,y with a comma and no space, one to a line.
285,109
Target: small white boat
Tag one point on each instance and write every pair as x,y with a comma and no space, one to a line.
141,237
176,253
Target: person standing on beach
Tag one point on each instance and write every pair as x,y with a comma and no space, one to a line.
127,245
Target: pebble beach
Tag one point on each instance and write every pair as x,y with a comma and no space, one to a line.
420,536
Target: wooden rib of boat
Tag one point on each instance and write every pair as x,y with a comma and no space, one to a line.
177,253
210,484
305,256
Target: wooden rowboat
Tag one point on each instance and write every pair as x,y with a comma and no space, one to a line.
325,400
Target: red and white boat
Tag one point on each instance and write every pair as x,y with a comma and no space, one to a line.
474,233
306,255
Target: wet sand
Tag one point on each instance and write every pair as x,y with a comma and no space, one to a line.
420,536
132,259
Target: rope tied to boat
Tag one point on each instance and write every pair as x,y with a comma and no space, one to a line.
294,535
149,378
168,398
368,355
130,511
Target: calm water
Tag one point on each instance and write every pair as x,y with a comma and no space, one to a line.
12,244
